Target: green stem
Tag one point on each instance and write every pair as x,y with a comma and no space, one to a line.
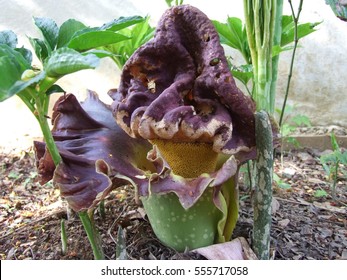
333,191
296,40
63,237
262,197
92,234
47,134
260,24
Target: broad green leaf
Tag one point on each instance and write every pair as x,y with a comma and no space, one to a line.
67,30
26,54
243,73
287,23
54,89
12,65
140,34
10,73
94,39
40,48
65,61
121,23
21,85
233,34
8,38
49,30
304,29
14,55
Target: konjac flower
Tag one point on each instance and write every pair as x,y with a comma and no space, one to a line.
177,92
182,130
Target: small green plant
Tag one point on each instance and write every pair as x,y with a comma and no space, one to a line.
291,123
138,34
280,183
62,50
171,3
332,162
320,193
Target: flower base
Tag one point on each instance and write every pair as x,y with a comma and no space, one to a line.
180,228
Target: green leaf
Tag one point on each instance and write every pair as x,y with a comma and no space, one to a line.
243,73
12,65
140,34
26,54
343,158
54,89
301,120
14,55
276,50
99,53
21,85
49,30
320,193
67,30
304,29
329,158
65,61
40,48
94,39
121,23
8,38
10,74
233,34
334,143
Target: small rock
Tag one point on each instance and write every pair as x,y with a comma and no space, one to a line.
284,223
305,156
288,172
306,230
325,232
275,205
316,181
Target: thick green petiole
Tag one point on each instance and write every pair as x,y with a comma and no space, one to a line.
262,198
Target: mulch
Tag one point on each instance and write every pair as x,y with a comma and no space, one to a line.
306,224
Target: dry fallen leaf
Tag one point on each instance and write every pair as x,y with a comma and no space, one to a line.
237,249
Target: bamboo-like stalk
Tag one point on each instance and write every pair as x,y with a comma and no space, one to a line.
260,25
262,197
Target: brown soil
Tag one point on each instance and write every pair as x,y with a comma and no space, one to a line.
305,225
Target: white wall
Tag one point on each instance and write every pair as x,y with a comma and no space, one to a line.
319,82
